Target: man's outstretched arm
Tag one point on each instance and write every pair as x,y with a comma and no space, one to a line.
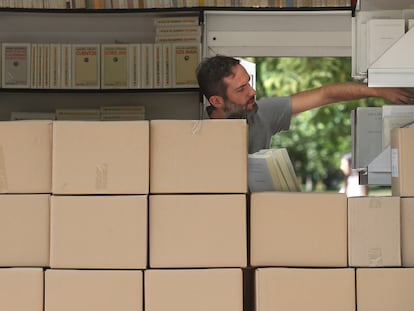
347,91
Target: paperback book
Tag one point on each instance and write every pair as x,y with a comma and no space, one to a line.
272,170
114,66
15,67
86,66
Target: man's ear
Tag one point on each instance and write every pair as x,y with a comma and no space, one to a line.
216,101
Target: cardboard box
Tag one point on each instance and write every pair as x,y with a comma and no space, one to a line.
25,156
96,157
298,229
305,289
197,231
86,290
407,232
194,289
99,232
402,155
385,289
203,156
374,231
21,289
24,230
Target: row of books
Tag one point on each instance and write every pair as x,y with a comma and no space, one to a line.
143,4
177,29
272,170
104,113
99,66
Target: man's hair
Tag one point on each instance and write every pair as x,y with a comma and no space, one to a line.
211,72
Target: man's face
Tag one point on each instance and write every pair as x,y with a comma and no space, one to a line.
240,99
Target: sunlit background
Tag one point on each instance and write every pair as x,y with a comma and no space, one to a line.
319,138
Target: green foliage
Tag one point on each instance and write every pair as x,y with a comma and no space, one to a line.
317,139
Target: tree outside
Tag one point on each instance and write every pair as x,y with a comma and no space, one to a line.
318,138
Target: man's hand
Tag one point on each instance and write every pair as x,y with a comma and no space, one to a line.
395,95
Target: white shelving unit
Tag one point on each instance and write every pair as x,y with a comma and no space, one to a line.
277,33
394,68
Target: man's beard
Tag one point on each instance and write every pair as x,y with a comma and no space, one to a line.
235,111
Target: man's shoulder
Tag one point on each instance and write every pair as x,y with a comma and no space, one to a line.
274,100
273,103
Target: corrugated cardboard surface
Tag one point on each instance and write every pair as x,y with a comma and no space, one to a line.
374,231
297,289
402,168
25,156
385,289
24,230
298,229
208,156
407,232
194,289
99,232
21,289
86,290
198,231
96,157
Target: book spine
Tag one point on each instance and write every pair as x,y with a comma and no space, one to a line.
40,68
46,66
147,63
158,74
55,52
172,39
33,66
176,21
167,65
66,66
134,65
178,31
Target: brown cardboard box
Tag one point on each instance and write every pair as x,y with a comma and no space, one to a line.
198,289
21,289
99,232
374,231
298,229
385,289
305,289
198,231
208,156
87,290
402,168
407,232
25,156
24,230
96,157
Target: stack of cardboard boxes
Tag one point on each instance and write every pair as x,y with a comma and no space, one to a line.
155,215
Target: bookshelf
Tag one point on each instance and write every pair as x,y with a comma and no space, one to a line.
173,4
109,26
103,27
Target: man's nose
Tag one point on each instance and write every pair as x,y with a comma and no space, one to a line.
252,91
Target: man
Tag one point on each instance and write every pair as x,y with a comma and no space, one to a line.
351,186
225,83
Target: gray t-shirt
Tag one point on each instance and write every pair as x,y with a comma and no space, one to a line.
273,115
